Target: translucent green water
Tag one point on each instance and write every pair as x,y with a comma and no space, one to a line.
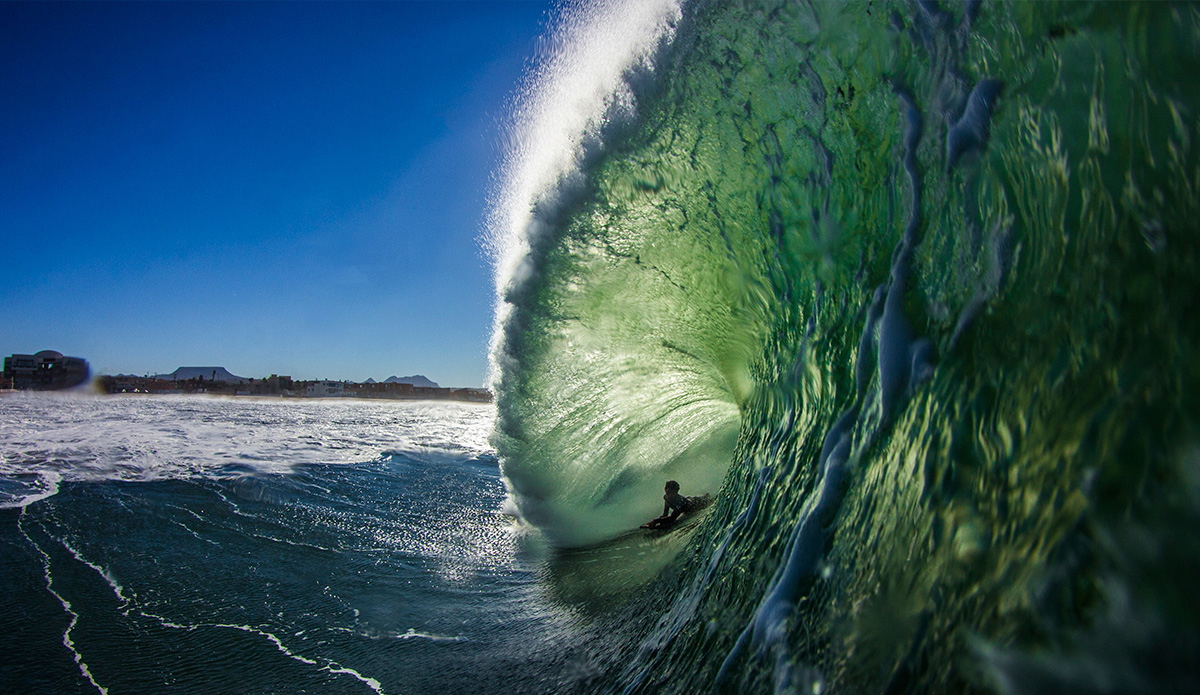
1011,499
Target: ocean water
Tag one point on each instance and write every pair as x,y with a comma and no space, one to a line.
204,545
911,287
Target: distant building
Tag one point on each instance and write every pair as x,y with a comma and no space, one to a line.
46,371
325,389
126,383
278,384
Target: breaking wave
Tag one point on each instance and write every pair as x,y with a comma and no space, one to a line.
909,289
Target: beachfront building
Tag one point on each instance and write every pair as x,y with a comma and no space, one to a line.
46,371
325,389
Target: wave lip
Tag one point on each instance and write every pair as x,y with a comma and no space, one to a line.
580,90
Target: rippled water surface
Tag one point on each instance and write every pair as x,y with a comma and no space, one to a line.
197,545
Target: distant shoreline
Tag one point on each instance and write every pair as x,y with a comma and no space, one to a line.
99,393
270,397
286,387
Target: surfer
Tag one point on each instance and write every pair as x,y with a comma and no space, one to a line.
675,506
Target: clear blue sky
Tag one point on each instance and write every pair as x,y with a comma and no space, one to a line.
269,187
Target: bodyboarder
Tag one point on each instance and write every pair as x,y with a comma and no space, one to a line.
676,506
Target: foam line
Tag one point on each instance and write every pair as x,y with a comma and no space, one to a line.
66,640
410,633
196,535
328,665
107,576
413,634
324,664
371,683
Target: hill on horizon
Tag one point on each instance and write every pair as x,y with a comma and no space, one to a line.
415,380
209,374
223,374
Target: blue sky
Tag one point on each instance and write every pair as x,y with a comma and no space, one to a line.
288,188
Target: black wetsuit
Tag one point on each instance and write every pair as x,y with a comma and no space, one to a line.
676,504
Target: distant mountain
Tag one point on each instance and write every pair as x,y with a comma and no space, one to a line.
209,374
416,380
370,381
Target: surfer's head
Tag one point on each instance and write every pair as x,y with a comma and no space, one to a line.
672,486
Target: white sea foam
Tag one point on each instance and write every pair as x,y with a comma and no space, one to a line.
48,439
413,634
45,484
409,634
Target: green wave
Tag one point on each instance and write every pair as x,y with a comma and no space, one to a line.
910,289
